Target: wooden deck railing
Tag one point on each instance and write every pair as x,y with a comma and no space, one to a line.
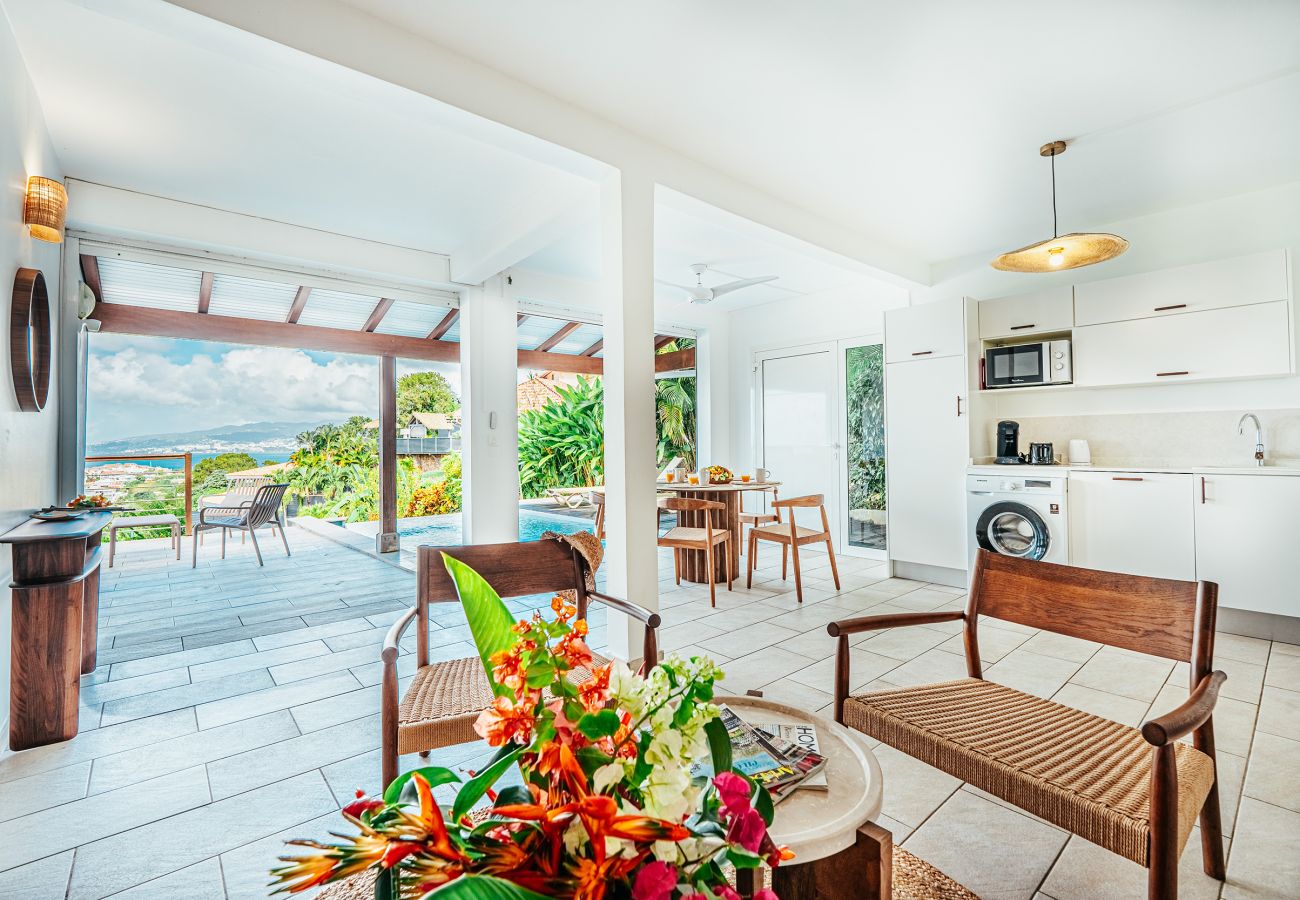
146,506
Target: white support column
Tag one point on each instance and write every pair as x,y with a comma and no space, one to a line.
489,429
627,251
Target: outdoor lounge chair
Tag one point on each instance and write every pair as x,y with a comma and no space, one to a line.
247,517
1135,792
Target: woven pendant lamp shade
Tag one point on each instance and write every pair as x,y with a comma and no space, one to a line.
45,209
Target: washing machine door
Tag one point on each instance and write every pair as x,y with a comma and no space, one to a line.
1013,529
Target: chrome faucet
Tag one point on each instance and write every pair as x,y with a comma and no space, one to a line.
1259,436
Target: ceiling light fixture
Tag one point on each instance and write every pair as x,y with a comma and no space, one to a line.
1061,251
45,208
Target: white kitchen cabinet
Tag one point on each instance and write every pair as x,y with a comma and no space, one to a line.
1237,342
926,431
1038,312
925,331
1246,529
1239,281
1137,523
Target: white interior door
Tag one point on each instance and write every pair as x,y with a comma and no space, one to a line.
798,424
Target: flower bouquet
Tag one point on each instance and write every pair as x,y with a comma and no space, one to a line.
607,806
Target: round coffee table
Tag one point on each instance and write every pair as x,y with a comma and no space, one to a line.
838,852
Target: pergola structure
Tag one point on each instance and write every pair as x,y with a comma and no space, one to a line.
155,295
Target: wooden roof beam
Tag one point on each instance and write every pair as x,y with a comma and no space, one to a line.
299,304
377,316
594,348
444,326
560,334
662,340
90,275
205,292
519,319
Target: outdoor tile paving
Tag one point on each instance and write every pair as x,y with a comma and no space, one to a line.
236,706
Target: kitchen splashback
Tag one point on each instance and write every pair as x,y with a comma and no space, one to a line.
1169,439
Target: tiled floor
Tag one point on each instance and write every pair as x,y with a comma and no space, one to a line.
236,706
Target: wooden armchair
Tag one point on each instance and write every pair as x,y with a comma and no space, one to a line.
440,706
1136,792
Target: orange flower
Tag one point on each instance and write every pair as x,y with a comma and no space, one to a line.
508,669
580,627
504,721
563,611
573,651
593,694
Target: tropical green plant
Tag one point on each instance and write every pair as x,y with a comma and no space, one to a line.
562,444
424,392
222,464
866,427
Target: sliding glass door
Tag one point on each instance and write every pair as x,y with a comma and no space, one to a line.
862,380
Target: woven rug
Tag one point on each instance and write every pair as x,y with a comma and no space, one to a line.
914,879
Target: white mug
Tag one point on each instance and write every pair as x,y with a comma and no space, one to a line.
761,475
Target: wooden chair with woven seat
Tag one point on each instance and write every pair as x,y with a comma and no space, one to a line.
791,536
1136,792
706,539
445,698
757,518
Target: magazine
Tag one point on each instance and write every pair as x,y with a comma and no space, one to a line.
778,764
803,736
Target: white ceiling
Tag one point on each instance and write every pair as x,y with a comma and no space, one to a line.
151,98
919,122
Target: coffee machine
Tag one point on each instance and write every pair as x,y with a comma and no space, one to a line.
1009,443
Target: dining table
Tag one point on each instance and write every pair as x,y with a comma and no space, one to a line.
694,564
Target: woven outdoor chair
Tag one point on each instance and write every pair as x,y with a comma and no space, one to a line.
1136,792
247,517
445,698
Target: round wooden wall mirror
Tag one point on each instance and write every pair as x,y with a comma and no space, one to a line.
29,340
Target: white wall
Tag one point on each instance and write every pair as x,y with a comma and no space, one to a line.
1232,226
814,318
28,441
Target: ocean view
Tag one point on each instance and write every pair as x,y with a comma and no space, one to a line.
262,456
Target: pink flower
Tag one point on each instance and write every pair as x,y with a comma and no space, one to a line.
654,881
733,791
725,892
766,894
747,829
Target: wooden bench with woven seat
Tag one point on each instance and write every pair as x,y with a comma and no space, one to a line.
1136,792
445,698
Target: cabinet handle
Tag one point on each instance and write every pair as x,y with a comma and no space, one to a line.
1171,306
1021,327
1167,374
1202,490
959,406
1125,478
922,352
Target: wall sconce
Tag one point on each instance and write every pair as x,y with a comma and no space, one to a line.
45,209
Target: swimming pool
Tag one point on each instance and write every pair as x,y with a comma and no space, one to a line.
445,531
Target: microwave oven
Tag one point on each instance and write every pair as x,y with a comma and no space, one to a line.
1021,365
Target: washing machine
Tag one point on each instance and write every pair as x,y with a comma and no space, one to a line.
1018,513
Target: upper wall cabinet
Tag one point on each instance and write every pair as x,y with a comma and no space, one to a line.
925,331
1239,281
1025,314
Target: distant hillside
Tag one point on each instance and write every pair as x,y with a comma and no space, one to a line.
254,436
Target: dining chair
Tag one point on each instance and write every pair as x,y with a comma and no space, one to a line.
598,501
791,536
758,518
445,698
247,517
706,539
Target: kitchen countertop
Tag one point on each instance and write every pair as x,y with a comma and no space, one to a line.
1061,471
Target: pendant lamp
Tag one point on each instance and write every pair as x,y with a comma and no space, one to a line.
1061,251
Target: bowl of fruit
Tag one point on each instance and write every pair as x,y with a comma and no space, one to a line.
89,501
719,475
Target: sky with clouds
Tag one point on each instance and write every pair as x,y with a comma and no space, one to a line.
146,385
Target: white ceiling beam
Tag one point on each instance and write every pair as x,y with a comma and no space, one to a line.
351,38
541,220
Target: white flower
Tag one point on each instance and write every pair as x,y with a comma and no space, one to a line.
607,776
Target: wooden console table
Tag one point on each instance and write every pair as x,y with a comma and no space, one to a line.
55,624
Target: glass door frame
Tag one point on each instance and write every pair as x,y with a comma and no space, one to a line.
841,524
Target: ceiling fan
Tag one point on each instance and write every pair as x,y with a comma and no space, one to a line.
698,293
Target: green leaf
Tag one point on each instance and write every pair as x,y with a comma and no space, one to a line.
763,803
743,859
719,745
599,724
514,795
539,674
490,621
477,786
386,885
481,887
435,775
